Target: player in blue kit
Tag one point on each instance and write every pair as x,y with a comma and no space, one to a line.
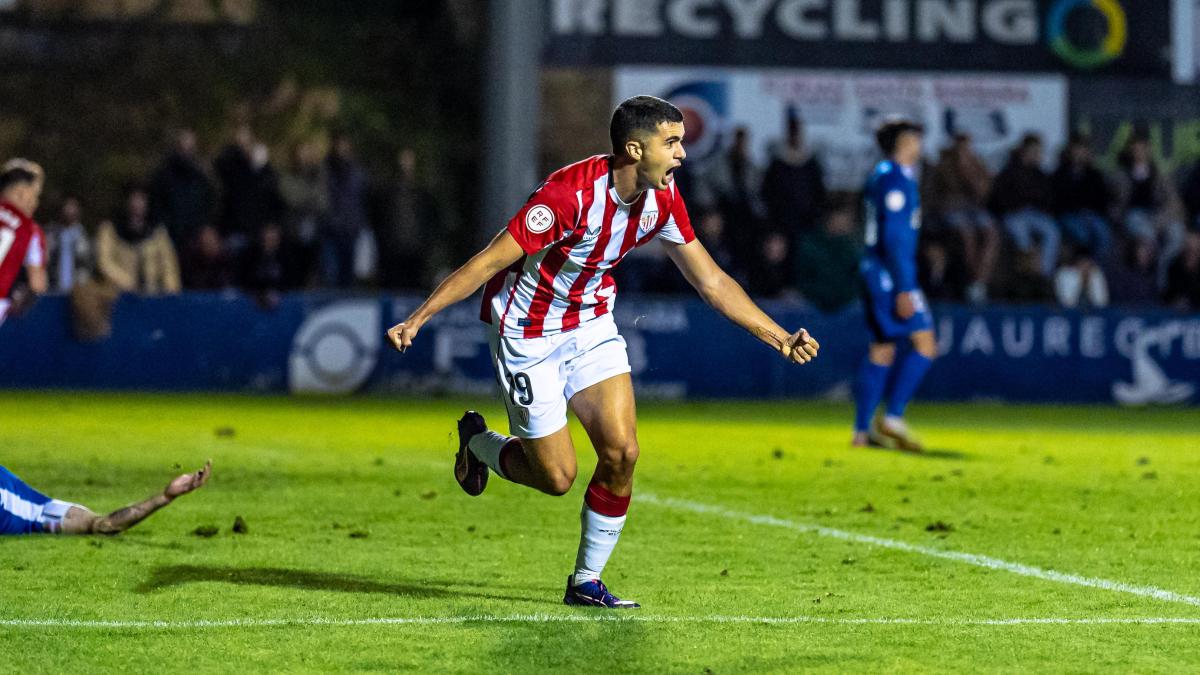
24,510
902,341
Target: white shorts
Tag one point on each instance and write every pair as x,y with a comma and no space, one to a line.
53,514
539,375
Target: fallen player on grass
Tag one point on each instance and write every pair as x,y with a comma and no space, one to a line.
24,510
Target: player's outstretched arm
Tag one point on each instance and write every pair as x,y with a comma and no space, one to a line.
502,252
727,297
82,521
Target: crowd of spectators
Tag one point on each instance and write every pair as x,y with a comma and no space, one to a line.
239,221
1076,235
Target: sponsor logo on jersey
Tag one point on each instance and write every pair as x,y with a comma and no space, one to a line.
894,200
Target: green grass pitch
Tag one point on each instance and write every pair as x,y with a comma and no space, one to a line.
353,516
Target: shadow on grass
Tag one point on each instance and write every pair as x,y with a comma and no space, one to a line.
178,575
943,453
932,453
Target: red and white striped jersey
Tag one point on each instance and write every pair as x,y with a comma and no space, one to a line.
574,231
21,244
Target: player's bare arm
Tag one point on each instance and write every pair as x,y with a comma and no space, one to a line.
80,520
502,252
728,297
39,281
905,305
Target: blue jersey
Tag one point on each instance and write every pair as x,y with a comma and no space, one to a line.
889,266
21,507
893,209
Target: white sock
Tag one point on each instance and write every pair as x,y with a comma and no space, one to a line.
487,446
596,543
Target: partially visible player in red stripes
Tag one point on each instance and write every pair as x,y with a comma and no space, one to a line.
549,296
22,245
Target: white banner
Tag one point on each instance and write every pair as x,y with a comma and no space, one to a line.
841,109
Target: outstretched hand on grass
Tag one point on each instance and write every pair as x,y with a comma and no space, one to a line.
188,482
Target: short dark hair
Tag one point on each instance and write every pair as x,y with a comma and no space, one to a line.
889,132
17,176
639,116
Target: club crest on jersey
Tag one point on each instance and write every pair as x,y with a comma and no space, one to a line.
539,219
647,221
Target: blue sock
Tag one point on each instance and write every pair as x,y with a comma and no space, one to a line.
909,373
868,391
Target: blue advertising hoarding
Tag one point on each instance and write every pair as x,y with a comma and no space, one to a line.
678,348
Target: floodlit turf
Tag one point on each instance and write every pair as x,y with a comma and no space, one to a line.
353,515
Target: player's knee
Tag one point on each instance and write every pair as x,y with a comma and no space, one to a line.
559,481
925,344
882,354
621,458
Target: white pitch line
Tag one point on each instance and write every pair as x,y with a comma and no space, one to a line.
968,558
585,618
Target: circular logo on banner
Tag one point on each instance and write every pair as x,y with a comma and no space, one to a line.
539,219
335,350
1112,45
894,200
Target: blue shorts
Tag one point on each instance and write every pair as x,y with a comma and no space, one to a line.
879,306
24,510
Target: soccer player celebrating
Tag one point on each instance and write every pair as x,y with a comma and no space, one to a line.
24,510
21,241
894,305
549,297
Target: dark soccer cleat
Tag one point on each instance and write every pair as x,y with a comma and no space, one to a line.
594,594
471,474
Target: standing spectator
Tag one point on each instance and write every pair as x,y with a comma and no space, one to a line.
1191,196
404,235
206,263
942,276
1147,203
1133,281
250,188
347,214
1023,197
1082,199
825,259
1183,277
735,183
772,276
794,184
68,247
135,255
956,193
181,195
305,192
715,236
262,267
